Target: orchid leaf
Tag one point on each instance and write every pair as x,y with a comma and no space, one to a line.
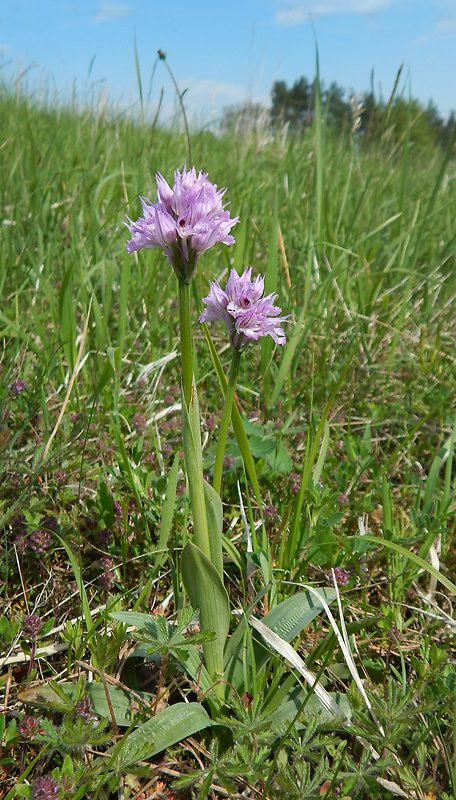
214,514
191,433
170,726
207,593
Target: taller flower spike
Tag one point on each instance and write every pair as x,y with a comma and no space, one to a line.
247,312
188,219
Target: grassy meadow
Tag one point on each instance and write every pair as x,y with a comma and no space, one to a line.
351,428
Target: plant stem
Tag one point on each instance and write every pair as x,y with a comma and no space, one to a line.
226,416
185,340
192,426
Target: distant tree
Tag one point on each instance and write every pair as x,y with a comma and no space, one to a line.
375,118
338,110
294,105
409,114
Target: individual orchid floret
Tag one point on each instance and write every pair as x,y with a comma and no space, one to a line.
187,219
247,312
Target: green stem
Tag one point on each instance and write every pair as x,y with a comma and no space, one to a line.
226,416
192,426
210,583
185,339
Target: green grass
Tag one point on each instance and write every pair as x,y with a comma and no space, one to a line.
351,427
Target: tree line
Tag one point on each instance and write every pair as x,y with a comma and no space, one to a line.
363,114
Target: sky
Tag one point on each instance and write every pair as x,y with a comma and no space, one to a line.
225,53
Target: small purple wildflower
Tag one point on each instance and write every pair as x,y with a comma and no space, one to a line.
117,508
22,542
394,634
247,312
228,461
29,727
295,484
50,522
107,578
40,541
106,562
209,423
341,576
343,499
105,537
60,476
140,422
269,511
85,710
32,625
46,788
187,220
19,524
18,386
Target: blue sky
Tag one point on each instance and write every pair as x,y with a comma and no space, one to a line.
226,53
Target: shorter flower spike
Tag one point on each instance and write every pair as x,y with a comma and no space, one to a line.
46,788
32,625
247,312
187,220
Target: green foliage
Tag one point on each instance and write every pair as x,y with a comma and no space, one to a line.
165,729
342,456
297,107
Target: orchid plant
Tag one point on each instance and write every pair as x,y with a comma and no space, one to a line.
187,219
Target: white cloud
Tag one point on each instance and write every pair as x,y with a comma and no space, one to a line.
299,12
211,92
108,11
204,99
443,27
446,26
